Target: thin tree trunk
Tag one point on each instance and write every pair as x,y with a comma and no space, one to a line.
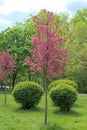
46,102
14,78
5,93
1,84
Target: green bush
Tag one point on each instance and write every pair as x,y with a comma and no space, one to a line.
27,93
65,81
63,96
53,84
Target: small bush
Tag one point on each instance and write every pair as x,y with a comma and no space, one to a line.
63,96
27,93
65,81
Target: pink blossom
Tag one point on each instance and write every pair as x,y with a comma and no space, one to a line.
48,55
6,64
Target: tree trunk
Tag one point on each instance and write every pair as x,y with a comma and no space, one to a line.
14,78
1,84
46,102
5,95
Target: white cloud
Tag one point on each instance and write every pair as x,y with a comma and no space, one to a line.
10,6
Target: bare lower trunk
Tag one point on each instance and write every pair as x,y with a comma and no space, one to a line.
46,102
5,95
14,78
1,84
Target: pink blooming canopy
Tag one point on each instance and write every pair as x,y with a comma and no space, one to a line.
48,55
6,64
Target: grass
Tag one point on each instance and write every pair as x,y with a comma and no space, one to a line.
12,117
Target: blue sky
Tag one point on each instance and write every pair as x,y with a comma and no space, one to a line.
12,11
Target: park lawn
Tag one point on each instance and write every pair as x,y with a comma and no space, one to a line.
13,117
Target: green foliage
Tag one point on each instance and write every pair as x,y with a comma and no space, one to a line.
78,25
65,81
77,44
78,72
64,96
27,93
53,84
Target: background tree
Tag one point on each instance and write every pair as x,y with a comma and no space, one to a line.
78,71
15,39
6,66
78,26
76,43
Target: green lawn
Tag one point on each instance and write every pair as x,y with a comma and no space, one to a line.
12,117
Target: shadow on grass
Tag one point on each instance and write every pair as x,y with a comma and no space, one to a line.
34,109
77,105
51,126
70,113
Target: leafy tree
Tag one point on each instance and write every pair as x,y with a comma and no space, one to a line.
78,26
79,70
15,40
48,57
76,43
6,66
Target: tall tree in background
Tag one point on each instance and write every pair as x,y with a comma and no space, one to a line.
15,40
77,44
48,57
78,27
6,66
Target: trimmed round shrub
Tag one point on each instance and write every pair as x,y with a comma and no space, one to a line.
65,81
53,84
27,93
63,96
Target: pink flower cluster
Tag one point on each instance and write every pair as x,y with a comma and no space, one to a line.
6,64
49,57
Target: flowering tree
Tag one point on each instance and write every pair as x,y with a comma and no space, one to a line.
6,66
48,55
